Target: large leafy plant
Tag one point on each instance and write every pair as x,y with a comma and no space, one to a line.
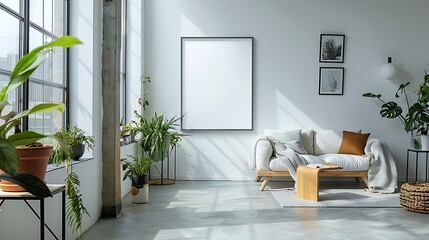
157,133
9,158
391,109
417,116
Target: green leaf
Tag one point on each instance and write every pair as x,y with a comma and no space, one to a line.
22,71
25,138
65,42
74,207
29,63
401,89
390,110
371,95
43,107
9,158
30,183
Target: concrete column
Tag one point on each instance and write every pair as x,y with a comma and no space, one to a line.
111,190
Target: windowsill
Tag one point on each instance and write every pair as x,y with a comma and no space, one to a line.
127,143
53,167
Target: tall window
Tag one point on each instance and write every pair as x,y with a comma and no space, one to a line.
123,63
25,25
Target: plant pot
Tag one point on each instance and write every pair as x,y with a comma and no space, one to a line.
425,142
140,189
32,160
77,151
415,142
139,181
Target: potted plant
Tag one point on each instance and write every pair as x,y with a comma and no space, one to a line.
75,208
416,120
76,140
157,133
137,171
10,158
418,114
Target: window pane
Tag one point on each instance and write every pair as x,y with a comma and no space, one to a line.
9,51
36,12
58,66
122,66
46,123
58,18
48,15
9,41
13,4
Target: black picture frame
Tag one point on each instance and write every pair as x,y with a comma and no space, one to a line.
331,81
332,48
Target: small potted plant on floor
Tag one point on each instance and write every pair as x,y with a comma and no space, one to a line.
137,171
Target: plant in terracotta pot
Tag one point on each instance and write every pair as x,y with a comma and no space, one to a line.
11,160
137,171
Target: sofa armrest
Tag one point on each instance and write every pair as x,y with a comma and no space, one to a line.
261,153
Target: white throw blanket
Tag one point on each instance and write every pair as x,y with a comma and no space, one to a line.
382,175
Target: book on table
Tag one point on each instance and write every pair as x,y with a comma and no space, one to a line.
319,165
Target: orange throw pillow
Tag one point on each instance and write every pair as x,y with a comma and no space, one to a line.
353,143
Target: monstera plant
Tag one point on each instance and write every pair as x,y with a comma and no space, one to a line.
416,119
9,158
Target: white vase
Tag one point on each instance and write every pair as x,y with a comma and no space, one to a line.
425,142
140,195
415,142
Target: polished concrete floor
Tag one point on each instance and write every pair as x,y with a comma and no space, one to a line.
238,210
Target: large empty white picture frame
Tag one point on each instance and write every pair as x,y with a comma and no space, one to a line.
217,83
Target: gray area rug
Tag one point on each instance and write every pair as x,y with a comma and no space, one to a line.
337,198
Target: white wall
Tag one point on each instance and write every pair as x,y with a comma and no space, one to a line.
286,48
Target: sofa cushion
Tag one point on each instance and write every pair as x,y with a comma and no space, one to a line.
328,141
353,143
347,161
307,140
291,139
306,137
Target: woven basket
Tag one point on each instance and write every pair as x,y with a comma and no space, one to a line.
415,197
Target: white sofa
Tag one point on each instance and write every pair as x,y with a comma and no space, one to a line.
376,167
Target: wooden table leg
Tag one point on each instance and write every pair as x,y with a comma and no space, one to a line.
307,183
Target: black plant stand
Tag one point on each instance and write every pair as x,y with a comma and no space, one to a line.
170,178
417,152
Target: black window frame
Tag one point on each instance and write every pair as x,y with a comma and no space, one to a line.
24,37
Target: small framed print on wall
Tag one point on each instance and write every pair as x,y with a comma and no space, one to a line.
331,81
331,48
